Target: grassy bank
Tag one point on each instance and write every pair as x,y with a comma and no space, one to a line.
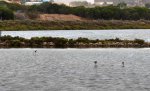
50,42
72,25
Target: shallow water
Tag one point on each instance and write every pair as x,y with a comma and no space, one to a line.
91,34
74,70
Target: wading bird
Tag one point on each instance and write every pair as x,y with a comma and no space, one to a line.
122,64
95,62
35,52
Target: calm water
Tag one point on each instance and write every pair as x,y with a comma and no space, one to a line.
91,34
74,70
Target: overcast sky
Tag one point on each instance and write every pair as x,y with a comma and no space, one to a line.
67,1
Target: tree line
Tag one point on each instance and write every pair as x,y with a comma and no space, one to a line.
57,42
104,13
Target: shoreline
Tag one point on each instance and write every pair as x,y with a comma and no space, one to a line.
25,25
70,48
56,42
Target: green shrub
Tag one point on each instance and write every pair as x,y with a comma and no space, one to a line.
139,41
6,14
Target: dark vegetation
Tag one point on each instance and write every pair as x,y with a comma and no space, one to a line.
119,12
7,10
107,13
50,42
6,14
108,17
19,25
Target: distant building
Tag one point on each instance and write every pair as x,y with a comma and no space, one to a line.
109,3
35,2
79,3
32,3
129,3
105,2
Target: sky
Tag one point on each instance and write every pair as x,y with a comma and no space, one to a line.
67,1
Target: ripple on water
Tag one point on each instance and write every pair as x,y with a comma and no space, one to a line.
74,70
